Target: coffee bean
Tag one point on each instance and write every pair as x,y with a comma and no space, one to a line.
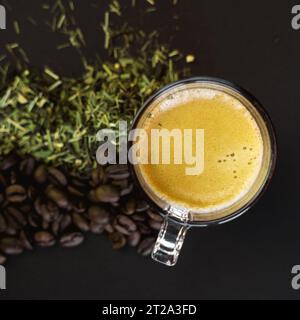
92,196
2,259
138,217
27,166
15,193
24,240
146,246
142,206
144,229
96,228
3,183
12,225
117,171
80,222
118,240
126,222
65,222
41,204
9,162
121,229
57,177
58,197
134,238
97,176
3,224
155,225
47,209
56,224
130,206
44,239
11,246
126,191
154,216
98,215
41,174
109,228
17,215
75,192
71,240
107,193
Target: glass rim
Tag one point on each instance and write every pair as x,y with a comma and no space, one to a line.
271,132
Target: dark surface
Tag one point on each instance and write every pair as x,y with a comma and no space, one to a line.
247,42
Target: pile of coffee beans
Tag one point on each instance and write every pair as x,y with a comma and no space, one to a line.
43,206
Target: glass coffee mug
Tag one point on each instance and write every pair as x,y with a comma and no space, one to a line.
177,218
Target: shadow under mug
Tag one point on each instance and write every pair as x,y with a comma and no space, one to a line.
177,220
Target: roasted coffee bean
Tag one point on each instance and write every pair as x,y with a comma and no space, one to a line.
56,224
126,191
33,220
141,206
44,239
15,193
3,183
144,229
2,259
3,224
107,193
65,222
1,198
9,162
17,215
41,174
97,176
155,225
121,229
130,206
96,228
27,166
11,246
154,216
118,240
134,238
25,241
46,208
126,222
71,240
138,217
121,184
109,228
92,196
146,246
98,215
32,192
57,177
40,205
80,222
75,192
12,225
117,171
57,196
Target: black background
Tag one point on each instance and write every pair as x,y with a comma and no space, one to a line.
247,42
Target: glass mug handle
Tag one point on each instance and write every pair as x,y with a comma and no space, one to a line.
169,242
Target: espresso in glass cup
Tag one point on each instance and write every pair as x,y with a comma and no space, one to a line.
233,162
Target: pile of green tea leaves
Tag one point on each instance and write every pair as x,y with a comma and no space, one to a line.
54,118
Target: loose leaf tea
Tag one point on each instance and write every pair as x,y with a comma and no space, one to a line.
55,118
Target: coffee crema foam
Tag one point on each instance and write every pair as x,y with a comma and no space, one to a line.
233,149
